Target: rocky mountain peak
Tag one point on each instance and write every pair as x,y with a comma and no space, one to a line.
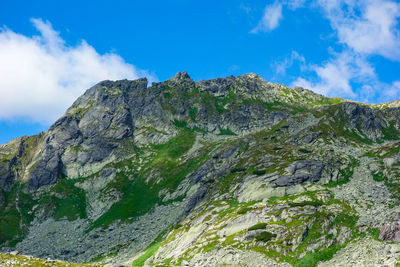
181,76
181,81
252,76
193,171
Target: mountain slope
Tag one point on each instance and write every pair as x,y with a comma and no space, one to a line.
234,170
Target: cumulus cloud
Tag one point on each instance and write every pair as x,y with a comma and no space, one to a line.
367,27
349,75
335,75
363,28
271,18
41,75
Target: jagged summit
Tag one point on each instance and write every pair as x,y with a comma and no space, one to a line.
191,171
181,76
99,123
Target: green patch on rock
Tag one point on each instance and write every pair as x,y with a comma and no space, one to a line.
259,172
258,226
390,133
244,210
346,173
139,194
65,200
226,131
150,250
311,259
264,236
378,176
315,203
193,113
15,215
306,151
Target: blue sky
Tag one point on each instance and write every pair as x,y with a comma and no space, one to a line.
51,51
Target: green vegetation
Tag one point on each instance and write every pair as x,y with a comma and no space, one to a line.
233,204
238,169
346,173
79,112
153,171
264,236
328,101
210,247
10,217
378,176
244,210
392,151
193,113
315,203
345,220
340,126
259,172
150,251
66,201
258,226
226,132
223,184
312,258
390,133
139,195
177,146
303,150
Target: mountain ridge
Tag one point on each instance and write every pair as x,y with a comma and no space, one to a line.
132,168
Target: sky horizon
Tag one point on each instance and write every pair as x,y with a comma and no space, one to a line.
52,51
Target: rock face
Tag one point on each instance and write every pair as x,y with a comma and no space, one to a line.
235,171
390,232
302,171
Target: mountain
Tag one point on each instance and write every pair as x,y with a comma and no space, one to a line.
234,171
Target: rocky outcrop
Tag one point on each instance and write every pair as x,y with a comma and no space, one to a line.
301,172
390,231
6,175
365,119
231,170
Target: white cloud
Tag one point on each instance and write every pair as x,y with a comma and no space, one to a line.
335,76
281,67
366,26
349,75
393,91
41,75
271,18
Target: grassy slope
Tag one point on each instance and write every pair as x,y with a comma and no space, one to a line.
140,195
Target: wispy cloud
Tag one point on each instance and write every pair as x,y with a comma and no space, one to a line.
364,28
335,75
271,18
367,27
280,67
295,4
245,8
338,75
42,75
